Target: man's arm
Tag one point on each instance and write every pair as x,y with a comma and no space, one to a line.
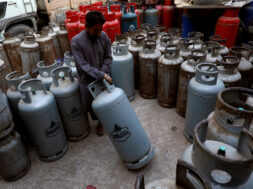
106,67
85,66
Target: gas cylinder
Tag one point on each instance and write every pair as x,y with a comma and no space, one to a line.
30,54
245,67
225,166
212,49
161,30
187,72
102,9
116,10
47,50
159,7
148,60
12,48
6,124
250,47
82,22
45,73
152,16
168,73
111,26
57,48
14,79
153,35
223,49
231,115
122,69
175,34
121,124
72,26
164,42
14,161
4,57
144,29
228,72
168,14
3,73
128,20
132,34
136,12
141,15
65,88
227,26
70,62
68,15
196,40
201,98
42,120
62,35
185,52
135,48
120,38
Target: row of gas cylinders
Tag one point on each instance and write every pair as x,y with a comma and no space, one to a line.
221,154
120,18
162,65
23,56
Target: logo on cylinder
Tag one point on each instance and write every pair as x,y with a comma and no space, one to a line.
53,129
120,134
131,28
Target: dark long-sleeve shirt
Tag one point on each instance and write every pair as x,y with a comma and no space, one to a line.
93,59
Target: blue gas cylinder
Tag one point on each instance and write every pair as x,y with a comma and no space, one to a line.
152,16
128,20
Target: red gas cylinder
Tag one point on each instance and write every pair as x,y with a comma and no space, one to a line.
102,9
160,10
137,12
97,3
93,8
116,10
111,26
84,8
82,22
227,26
73,26
68,14
168,14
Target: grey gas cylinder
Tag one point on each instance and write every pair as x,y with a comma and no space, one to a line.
30,54
185,52
223,51
65,88
45,73
120,38
168,74
42,120
148,61
245,67
202,94
196,40
187,72
165,40
228,72
132,34
212,50
4,57
161,30
6,123
175,34
122,69
135,47
14,79
153,35
70,62
3,73
121,124
225,166
144,28
231,115
56,43
14,160
62,36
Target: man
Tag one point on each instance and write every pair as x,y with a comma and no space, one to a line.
92,52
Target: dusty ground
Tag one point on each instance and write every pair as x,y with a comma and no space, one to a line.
94,160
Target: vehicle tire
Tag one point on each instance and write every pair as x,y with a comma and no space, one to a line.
18,30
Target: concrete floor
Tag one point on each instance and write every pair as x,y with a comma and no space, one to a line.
94,160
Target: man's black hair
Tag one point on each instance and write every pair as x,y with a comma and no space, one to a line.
93,18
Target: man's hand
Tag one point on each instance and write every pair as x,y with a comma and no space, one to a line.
108,78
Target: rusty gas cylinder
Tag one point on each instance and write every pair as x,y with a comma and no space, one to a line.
3,73
56,42
245,67
62,35
4,57
212,49
168,72
187,72
47,50
11,46
148,60
228,72
185,52
165,40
